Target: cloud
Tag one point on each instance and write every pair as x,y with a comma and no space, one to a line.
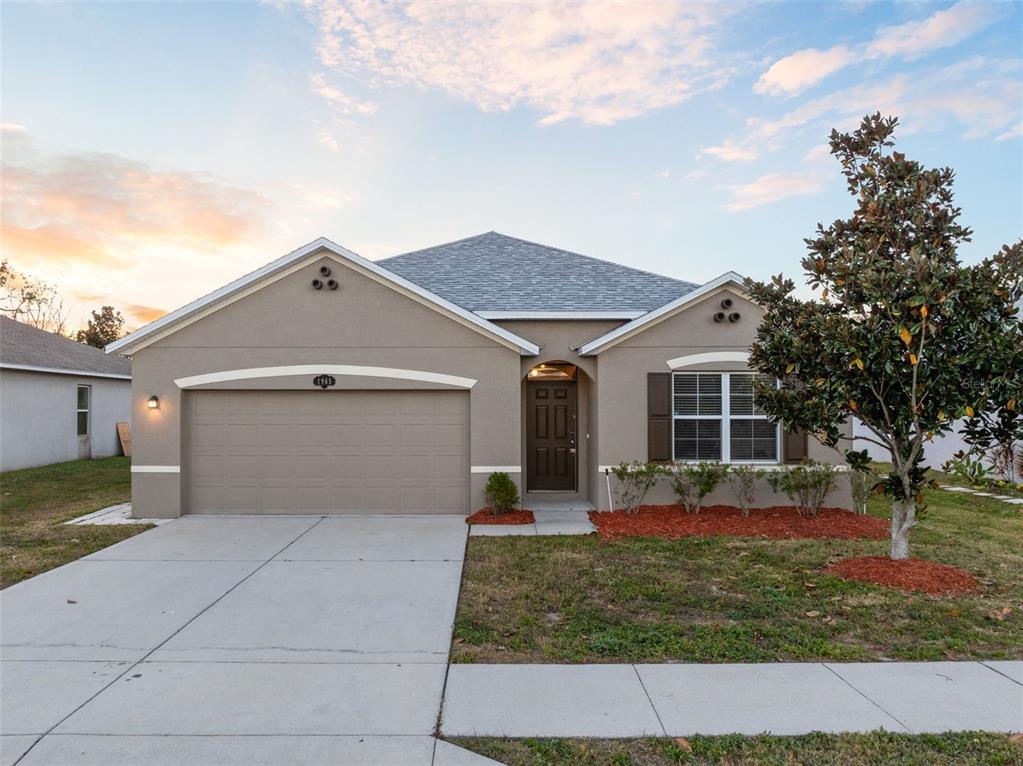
327,139
1016,131
11,127
341,102
594,62
730,152
795,73
940,30
772,188
143,314
104,209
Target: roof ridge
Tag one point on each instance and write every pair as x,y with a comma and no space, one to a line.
591,258
442,244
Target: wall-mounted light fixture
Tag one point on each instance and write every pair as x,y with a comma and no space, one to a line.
153,402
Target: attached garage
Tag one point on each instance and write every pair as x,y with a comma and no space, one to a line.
286,451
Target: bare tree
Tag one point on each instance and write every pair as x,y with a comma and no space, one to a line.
31,301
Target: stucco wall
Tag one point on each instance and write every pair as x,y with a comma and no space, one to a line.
621,391
288,323
38,420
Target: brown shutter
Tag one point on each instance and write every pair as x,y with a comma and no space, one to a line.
658,407
794,448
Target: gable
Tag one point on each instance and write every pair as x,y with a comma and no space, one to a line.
294,262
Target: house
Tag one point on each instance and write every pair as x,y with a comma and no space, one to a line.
59,400
325,382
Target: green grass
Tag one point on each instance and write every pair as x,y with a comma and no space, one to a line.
35,503
721,599
875,749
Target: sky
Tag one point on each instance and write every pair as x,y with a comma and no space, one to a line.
153,152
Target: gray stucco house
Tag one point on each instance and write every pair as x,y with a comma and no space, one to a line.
325,382
59,400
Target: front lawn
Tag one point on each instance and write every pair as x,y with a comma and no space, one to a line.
35,503
876,749
728,599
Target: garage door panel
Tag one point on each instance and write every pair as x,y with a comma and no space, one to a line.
324,452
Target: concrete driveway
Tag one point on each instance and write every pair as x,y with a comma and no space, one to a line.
249,640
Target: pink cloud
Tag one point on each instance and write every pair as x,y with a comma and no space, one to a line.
772,188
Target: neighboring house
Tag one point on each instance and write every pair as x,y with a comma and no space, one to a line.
326,382
59,400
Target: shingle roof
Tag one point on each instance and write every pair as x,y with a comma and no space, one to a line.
25,346
494,272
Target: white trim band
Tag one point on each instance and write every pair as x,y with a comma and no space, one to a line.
59,371
253,373
583,315
495,468
156,469
710,357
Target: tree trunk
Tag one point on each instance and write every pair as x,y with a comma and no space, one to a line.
903,519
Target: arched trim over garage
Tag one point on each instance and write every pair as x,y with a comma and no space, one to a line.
709,357
394,373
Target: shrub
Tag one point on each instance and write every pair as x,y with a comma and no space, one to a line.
807,484
862,483
743,480
968,469
501,493
694,481
633,481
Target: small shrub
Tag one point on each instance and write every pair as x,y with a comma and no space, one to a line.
968,469
861,483
501,493
694,481
743,481
807,485
632,482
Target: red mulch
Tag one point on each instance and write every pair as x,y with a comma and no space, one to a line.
780,521
487,516
907,574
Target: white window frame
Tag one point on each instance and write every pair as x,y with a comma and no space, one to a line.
725,417
87,410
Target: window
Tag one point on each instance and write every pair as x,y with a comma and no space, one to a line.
84,395
715,418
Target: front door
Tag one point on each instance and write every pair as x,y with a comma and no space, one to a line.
551,435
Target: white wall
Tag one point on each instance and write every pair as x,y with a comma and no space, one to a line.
38,421
936,452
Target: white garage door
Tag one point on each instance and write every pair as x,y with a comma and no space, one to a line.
327,451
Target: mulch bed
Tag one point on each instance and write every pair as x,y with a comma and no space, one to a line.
907,574
487,516
780,521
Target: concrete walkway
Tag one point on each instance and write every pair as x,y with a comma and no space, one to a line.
114,514
682,700
976,492
237,640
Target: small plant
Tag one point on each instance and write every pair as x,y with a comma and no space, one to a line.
967,468
807,485
501,493
743,481
633,481
861,483
694,481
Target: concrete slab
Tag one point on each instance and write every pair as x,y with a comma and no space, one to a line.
329,611
1010,668
784,699
86,750
547,701
35,696
939,696
211,538
453,755
564,527
382,538
239,698
502,530
959,489
1015,501
13,746
109,610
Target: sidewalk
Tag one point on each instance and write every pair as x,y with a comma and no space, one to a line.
610,701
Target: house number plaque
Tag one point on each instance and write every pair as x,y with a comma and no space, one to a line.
324,381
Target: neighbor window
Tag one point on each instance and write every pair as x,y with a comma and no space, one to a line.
84,395
715,418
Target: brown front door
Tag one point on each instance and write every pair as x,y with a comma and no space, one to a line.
551,435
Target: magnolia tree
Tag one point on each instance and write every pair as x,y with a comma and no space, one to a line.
903,336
